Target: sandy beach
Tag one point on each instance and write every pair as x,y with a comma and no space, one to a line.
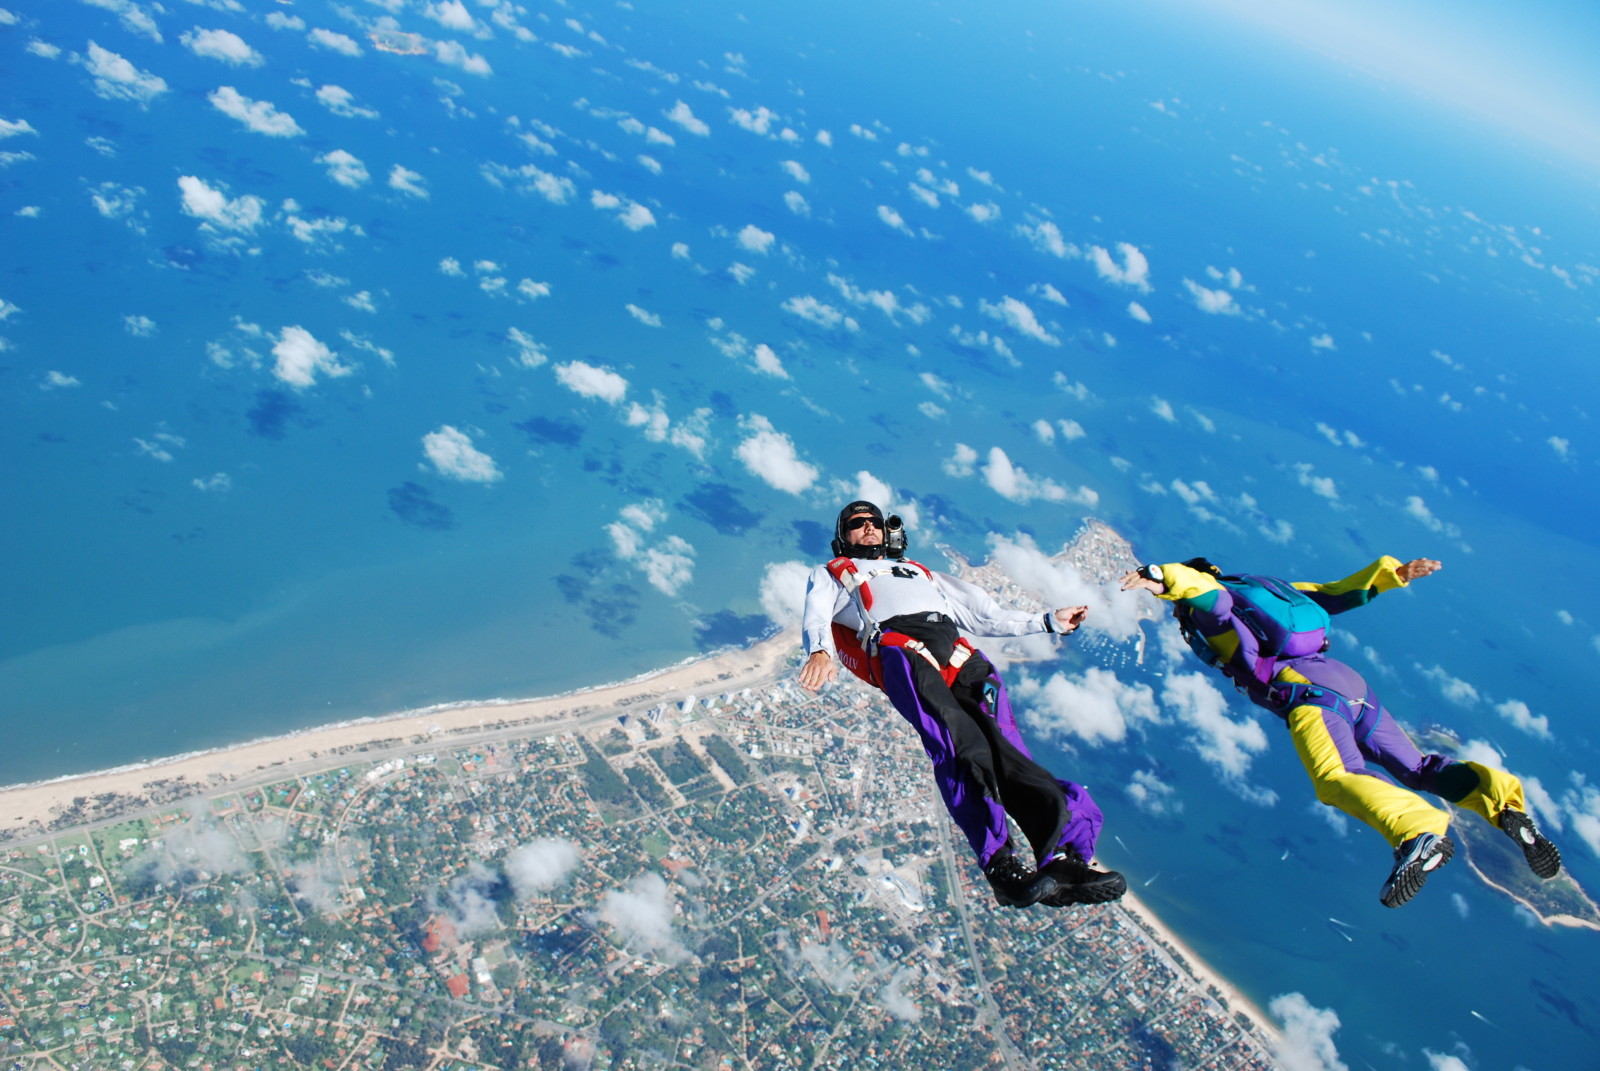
27,809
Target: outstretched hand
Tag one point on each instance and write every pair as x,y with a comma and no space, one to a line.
1132,581
1068,618
818,670
1418,568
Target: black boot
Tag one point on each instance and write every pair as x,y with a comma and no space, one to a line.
1543,858
1079,883
1014,884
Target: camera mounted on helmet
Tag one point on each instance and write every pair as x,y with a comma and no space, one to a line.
893,529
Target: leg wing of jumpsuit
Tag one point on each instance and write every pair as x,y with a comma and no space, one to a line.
1484,790
981,773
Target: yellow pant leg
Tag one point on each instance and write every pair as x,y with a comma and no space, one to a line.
1398,813
1496,791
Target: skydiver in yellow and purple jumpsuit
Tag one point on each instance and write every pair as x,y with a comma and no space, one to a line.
1268,636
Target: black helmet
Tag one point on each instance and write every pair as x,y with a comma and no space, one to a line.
894,533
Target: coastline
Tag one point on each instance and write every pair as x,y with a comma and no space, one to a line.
30,808
1191,964
27,810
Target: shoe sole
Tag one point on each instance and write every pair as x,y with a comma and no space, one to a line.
1543,857
1042,887
1088,892
1405,882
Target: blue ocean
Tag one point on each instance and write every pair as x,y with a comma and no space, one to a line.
356,358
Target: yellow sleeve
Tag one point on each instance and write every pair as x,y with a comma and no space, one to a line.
1186,583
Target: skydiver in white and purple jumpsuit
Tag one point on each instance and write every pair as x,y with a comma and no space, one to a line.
898,625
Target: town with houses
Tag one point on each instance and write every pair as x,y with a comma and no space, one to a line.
758,878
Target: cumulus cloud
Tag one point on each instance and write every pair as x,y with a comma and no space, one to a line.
1096,707
221,45
1153,794
796,171
668,564
755,240
641,914
469,901
1046,237
631,214
260,116
644,316
1227,745
341,102
1321,485
770,455
783,589
453,54
54,380
1133,270
820,313
344,168
1216,302
539,865
1452,688
1307,1042
1020,318
333,42
407,182
689,433
301,358
117,79
1011,481
1060,583
766,360
139,326
592,382
890,218
1517,713
962,463
1418,510
1137,311
683,115
452,454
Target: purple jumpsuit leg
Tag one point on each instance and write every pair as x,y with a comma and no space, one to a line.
983,769
1367,733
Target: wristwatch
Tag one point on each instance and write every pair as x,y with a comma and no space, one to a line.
1152,572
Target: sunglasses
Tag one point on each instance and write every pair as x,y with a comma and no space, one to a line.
855,524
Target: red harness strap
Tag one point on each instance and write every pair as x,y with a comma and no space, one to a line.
866,663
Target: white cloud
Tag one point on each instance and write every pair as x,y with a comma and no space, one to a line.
1012,482
407,181
1163,409
796,203
553,188
1134,270
1561,446
453,455
642,915
1137,311
1227,745
1323,341
823,315
451,14
1096,708
532,291
539,865
139,326
260,116
684,117
644,316
962,463
212,205
361,300
222,45
770,455
1307,1042
280,20
631,214
1321,485
1217,302
1046,237
592,382
340,102
1060,583
783,591
767,361
893,219
54,380
984,212
669,564
453,54
117,79
796,171
1452,688
344,168
530,354
301,358
689,433
333,42
218,482
1418,510
10,128
758,121
1153,794
755,239
1444,1061
1517,713
1020,318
